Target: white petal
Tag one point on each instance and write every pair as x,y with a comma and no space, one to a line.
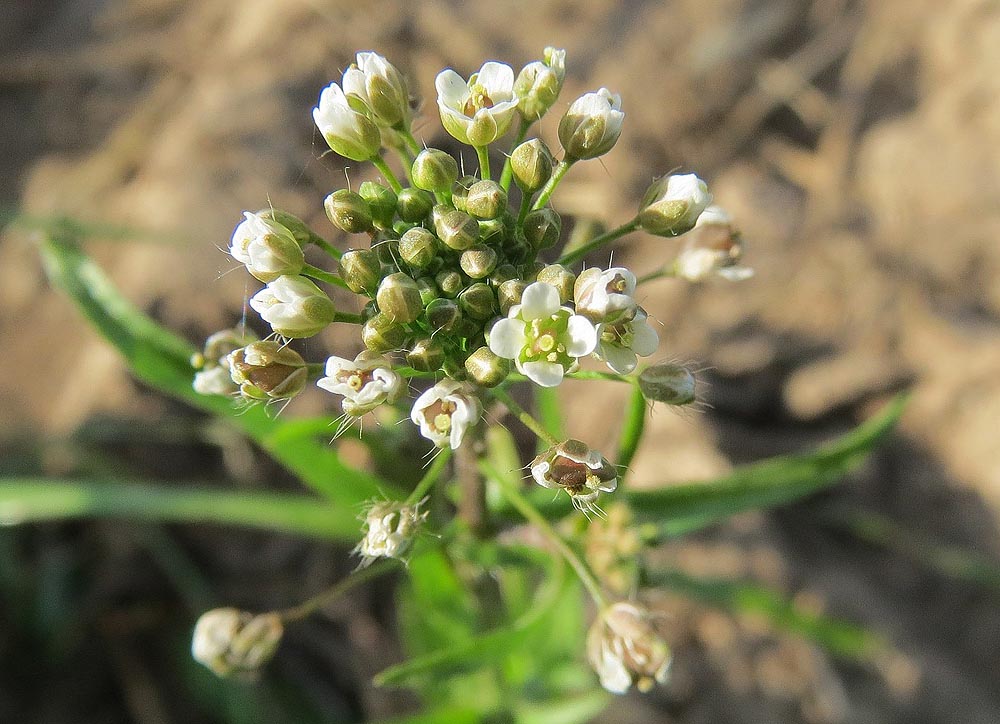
507,338
620,359
498,79
736,273
354,82
582,336
544,374
451,88
539,300
538,473
645,340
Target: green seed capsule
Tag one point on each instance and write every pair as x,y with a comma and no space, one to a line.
381,200
486,200
487,369
434,170
561,278
478,261
478,301
542,228
348,211
426,355
361,270
418,247
413,205
669,383
399,297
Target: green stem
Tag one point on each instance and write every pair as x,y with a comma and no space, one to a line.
483,152
524,416
348,318
583,375
430,477
361,575
550,186
508,171
525,208
383,167
327,247
411,142
598,241
324,276
635,425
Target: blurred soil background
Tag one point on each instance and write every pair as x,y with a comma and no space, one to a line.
856,143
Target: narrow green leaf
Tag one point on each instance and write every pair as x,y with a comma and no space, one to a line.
576,709
444,715
632,430
549,412
161,359
26,500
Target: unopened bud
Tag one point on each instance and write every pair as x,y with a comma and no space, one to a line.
491,229
669,383
348,211
561,278
442,313
457,229
428,290
381,201
449,282
592,125
460,191
399,297
229,641
298,228
509,293
485,368
413,204
478,301
503,273
626,650
294,307
454,368
426,355
532,164
478,261
418,247
542,228
538,84
672,204
382,333
267,371
361,270
486,200
434,170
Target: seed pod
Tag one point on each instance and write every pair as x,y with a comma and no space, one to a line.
361,270
457,229
434,170
509,293
531,163
542,228
399,297
449,282
478,261
382,334
478,301
669,383
267,371
487,369
348,211
486,200
426,355
413,204
561,278
418,247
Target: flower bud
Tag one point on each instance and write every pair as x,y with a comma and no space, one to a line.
426,355
382,333
442,313
450,282
454,369
229,641
672,204
361,270
478,301
572,466
381,202
388,254
532,164
399,297
502,273
538,84
413,204
348,211
267,371
434,170
491,229
542,228
509,293
348,132
380,88
561,278
389,530
626,650
457,229
428,290
669,383
418,247
294,307
605,296
460,191
298,228
446,411
478,261
592,125
268,249
485,368
486,200
365,383
468,329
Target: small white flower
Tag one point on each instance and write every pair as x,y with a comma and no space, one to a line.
672,204
348,132
713,247
445,411
293,306
592,125
626,650
618,344
365,383
479,111
233,642
544,339
572,466
268,249
213,374
390,528
215,380
605,296
538,84
380,86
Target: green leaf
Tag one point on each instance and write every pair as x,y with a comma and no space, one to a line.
549,413
632,429
26,500
161,359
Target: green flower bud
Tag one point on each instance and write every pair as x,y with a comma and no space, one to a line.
468,329
592,125
442,313
487,369
669,383
538,84
267,371
460,191
388,254
561,278
348,211
418,247
434,170
509,293
503,273
361,270
457,229
382,333
478,301
490,229
486,200
400,227
672,204
381,201
369,310
454,368
529,272
542,228
450,282
428,290
413,205
229,641
426,355
399,297
478,261
532,164
302,233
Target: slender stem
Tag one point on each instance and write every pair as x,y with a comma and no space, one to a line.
667,271
598,241
635,425
531,513
483,152
383,167
411,142
583,375
348,318
550,186
327,247
524,416
525,208
311,605
322,275
508,171
430,477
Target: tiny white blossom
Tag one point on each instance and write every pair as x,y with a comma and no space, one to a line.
293,306
390,528
574,467
348,132
380,86
592,125
365,383
233,642
626,650
479,111
445,411
544,339
713,247
538,84
268,249
214,380
672,204
619,343
605,296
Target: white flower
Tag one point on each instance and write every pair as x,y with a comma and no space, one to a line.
626,650
480,111
365,383
572,466
605,296
713,247
445,411
544,339
293,306
672,204
229,641
592,125
538,84
268,249
348,132
214,380
618,344
380,86
389,530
